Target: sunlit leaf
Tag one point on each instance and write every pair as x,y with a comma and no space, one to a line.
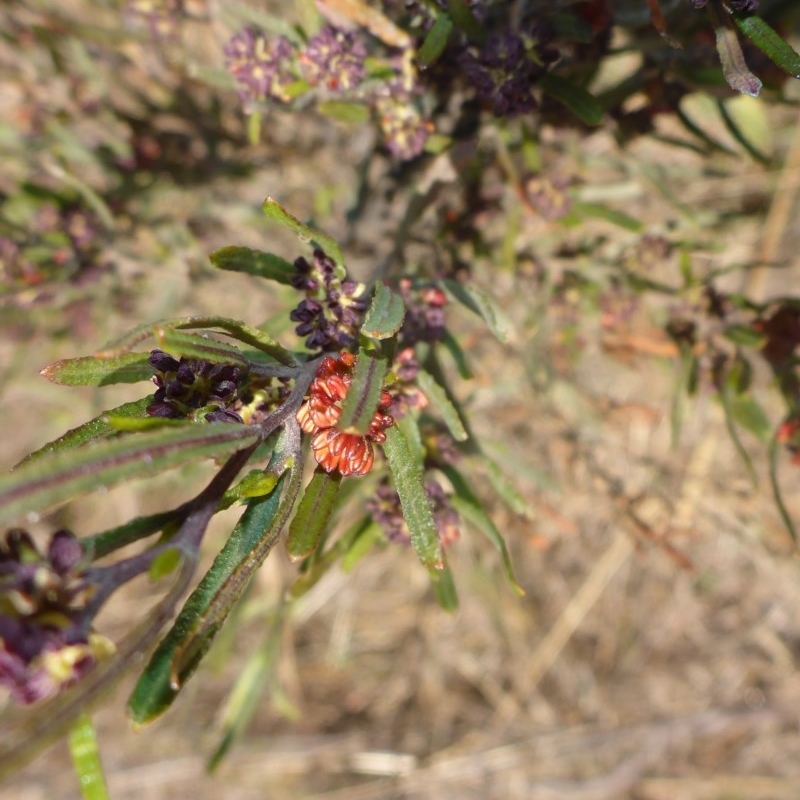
440,401
95,371
344,112
276,212
191,345
479,302
254,262
469,507
774,47
313,514
98,428
750,415
364,394
385,314
157,687
50,480
407,476
86,759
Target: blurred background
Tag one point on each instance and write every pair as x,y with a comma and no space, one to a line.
654,654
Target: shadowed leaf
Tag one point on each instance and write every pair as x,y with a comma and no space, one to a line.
253,262
313,514
99,371
385,314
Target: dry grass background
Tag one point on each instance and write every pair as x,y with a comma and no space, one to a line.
654,656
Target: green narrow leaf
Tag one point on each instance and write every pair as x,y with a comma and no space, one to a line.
774,47
313,514
738,134
409,425
445,587
276,212
750,415
727,397
254,262
191,345
477,301
98,428
504,487
238,330
440,400
157,686
366,534
774,451
585,107
57,477
745,335
435,42
463,17
98,371
364,394
86,759
101,544
468,506
450,343
385,314
407,477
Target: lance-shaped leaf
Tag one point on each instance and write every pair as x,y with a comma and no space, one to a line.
254,262
180,652
585,107
98,371
435,42
234,328
313,514
450,343
364,394
770,43
86,759
414,502
342,111
276,212
468,506
194,629
101,544
45,482
238,330
385,314
98,428
191,345
477,301
463,17
441,402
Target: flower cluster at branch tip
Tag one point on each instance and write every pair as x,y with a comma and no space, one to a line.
43,645
505,69
333,59
337,450
384,508
196,389
333,308
261,67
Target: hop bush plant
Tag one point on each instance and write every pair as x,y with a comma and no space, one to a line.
359,402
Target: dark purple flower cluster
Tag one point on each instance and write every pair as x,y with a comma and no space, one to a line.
198,389
333,308
262,68
43,645
506,68
384,508
334,59
424,320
